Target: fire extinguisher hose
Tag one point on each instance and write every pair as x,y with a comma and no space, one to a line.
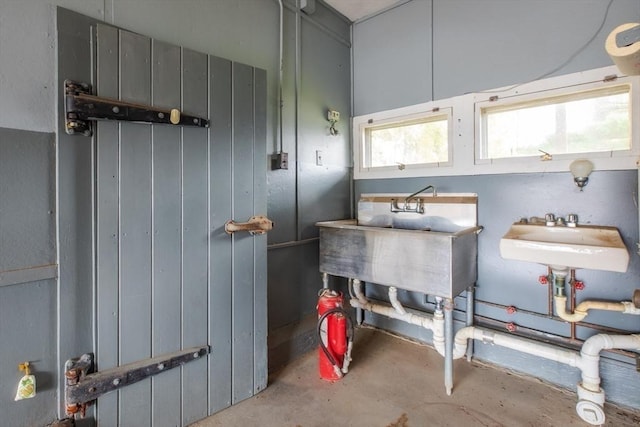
340,370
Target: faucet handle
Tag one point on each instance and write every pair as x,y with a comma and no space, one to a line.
550,219
572,220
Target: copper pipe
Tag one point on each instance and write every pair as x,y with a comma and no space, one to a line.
572,302
593,326
549,293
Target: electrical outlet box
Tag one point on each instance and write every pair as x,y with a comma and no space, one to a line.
333,116
280,161
318,158
308,6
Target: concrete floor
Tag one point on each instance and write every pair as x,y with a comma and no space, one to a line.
396,383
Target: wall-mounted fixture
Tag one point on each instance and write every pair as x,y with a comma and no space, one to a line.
581,169
333,117
623,46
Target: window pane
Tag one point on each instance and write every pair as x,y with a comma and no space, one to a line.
410,143
580,123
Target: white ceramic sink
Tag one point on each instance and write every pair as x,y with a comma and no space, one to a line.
591,247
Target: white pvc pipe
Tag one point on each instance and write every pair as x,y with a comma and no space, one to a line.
438,333
590,396
590,355
524,345
391,312
360,301
583,308
357,291
393,299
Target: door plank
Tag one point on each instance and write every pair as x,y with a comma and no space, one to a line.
107,221
167,225
195,238
260,242
220,203
135,228
243,265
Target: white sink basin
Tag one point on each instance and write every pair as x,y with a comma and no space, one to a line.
592,247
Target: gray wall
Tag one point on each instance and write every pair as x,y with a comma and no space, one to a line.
307,192
316,76
445,48
27,272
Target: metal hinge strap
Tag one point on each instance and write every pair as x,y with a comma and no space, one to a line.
83,386
81,106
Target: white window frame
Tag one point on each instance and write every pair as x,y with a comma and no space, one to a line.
465,130
425,115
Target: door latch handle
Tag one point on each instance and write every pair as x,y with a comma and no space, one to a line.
256,225
81,106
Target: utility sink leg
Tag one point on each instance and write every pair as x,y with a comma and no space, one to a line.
470,313
448,349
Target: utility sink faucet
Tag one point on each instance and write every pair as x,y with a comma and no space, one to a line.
413,196
419,206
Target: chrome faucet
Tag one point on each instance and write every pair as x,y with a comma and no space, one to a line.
411,197
419,207
550,220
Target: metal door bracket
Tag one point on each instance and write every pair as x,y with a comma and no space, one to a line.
83,385
256,225
80,107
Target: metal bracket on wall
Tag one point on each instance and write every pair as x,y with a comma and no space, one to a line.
80,106
82,386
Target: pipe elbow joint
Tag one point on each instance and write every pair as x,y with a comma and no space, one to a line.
630,308
561,310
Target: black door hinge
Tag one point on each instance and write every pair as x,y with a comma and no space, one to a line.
83,385
80,107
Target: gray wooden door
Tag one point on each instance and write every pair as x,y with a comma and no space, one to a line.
167,275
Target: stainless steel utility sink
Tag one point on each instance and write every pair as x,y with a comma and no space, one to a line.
440,261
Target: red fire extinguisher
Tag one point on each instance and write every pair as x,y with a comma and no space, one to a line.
335,333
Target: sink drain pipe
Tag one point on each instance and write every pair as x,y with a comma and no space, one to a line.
590,396
396,311
440,323
581,311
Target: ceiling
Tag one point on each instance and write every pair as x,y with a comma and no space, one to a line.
357,9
